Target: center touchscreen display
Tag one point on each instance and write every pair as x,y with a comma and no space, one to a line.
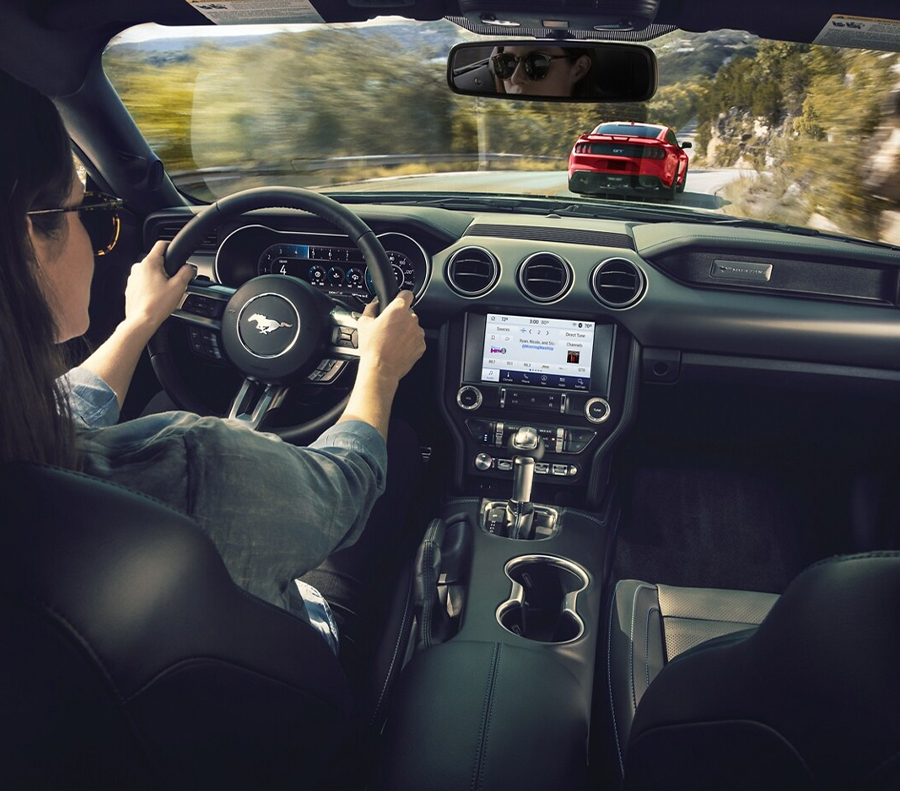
538,352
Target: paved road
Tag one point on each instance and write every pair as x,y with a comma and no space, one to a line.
703,189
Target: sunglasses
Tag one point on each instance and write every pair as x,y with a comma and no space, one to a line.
536,64
99,213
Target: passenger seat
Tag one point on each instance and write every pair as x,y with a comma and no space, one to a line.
652,624
714,689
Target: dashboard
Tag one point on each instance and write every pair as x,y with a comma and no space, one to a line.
691,287
553,320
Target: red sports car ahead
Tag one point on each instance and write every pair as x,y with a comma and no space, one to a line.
626,157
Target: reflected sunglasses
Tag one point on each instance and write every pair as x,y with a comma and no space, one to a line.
99,213
536,64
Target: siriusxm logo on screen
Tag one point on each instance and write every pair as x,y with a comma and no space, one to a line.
495,350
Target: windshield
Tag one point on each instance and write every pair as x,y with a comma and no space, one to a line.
755,129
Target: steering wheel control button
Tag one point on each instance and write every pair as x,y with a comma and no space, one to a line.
203,306
597,410
469,398
345,337
205,342
332,371
484,461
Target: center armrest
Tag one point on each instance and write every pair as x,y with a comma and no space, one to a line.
475,715
505,700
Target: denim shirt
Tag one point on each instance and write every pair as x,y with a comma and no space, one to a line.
273,510
92,401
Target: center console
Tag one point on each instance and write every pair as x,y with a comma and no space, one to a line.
501,698
508,586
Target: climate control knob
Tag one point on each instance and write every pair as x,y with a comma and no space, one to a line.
596,410
469,398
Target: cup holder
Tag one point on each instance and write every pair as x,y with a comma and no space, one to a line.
542,603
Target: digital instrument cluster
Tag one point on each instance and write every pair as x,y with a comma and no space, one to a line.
341,270
327,261
337,270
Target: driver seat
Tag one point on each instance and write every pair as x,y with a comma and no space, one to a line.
131,660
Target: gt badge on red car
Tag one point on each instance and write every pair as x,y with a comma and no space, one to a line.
629,158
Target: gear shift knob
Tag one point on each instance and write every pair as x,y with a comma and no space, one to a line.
523,476
527,445
526,441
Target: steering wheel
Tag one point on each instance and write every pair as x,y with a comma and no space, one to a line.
276,330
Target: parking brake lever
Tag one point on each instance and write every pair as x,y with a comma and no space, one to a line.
527,444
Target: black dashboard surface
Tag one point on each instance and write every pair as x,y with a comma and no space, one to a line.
699,289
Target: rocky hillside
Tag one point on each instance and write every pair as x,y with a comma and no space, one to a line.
881,170
820,125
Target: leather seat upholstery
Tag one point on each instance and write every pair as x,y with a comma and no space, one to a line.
649,625
808,700
131,660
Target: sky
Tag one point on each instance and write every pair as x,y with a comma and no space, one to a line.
151,31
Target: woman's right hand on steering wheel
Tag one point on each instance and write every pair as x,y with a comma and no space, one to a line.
390,343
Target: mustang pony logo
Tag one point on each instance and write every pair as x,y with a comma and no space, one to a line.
265,325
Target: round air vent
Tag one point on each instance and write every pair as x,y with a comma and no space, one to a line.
618,283
545,277
472,271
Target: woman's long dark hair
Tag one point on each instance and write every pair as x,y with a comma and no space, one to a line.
36,172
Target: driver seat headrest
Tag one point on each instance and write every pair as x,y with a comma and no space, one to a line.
131,660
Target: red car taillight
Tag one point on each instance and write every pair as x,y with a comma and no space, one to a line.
629,150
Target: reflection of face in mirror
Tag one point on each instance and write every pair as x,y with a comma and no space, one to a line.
542,71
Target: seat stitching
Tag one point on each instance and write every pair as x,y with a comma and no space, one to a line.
884,553
86,644
637,590
882,767
647,643
490,716
427,604
390,670
612,705
428,582
602,521
710,620
456,500
664,727
488,693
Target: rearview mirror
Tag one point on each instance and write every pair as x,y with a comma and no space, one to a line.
558,70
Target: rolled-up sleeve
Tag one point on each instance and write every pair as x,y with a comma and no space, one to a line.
93,403
273,510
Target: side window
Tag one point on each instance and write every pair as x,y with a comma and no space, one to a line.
670,138
79,170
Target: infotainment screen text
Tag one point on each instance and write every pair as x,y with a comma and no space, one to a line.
538,352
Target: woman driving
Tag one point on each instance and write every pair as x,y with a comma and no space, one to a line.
273,510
